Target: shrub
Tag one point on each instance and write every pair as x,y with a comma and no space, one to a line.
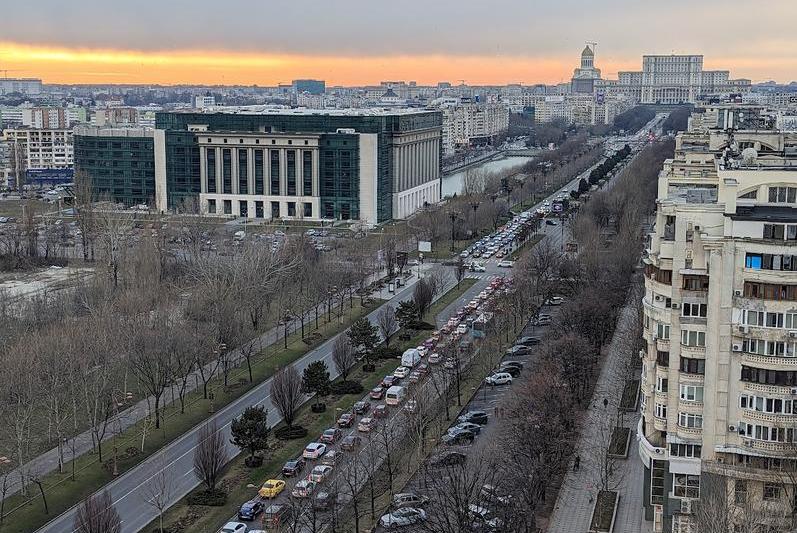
384,352
208,498
420,325
290,433
347,387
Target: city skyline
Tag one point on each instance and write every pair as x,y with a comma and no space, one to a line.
507,42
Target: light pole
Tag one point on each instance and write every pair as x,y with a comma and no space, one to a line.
453,215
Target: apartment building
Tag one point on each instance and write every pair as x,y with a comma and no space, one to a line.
719,378
43,148
467,123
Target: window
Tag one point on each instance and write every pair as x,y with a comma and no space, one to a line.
663,358
693,338
782,195
275,175
658,473
259,209
771,492
762,404
307,172
210,166
695,310
685,450
695,283
691,393
740,491
770,291
228,207
275,210
752,195
308,210
661,384
226,171
686,486
663,331
212,207
243,172
690,420
757,261
766,433
291,209
764,376
259,184
660,410
291,172
243,208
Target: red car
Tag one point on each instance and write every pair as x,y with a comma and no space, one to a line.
346,420
377,392
331,436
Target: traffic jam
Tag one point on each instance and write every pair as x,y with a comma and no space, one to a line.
304,489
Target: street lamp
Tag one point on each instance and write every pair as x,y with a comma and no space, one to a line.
453,215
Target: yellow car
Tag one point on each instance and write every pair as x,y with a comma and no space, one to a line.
271,488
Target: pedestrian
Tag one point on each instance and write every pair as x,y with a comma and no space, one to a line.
605,403
577,463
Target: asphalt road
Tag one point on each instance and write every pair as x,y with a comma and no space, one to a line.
130,491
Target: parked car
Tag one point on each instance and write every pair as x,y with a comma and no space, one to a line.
346,420
361,408
389,381
528,341
314,450
409,499
350,442
250,510
509,369
450,459
458,437
499,378
506,263
366,425
377,393
320,473
233,527
475,417
434,358
401,372
554,300
467,426
303,489
406,516
271,488
517,350
490,493
331,436
293,468
483,519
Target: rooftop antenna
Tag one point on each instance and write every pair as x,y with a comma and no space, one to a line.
594,46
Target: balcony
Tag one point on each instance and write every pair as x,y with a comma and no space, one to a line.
647,450
744,471
758,416
659,424
688,433
693,352
767,389
770,362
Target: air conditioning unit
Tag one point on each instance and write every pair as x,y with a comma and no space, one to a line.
732,429
794,390
675,306
793,334
697,228
686,506
689,254
737,347
689,226
744,328
657,298
748,443
737,293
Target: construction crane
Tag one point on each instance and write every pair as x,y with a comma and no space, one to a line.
5,71
593,44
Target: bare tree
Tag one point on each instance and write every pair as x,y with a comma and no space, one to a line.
388,325
460,271
97,514
210,455
343,356
286,393
423,295
151,360
158,491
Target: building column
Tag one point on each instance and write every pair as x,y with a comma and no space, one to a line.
250,170
283,172
203,170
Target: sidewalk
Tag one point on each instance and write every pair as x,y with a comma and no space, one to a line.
573,510
48,461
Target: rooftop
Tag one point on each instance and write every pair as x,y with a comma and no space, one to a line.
303,111
765,213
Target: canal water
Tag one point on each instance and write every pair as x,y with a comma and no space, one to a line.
452,183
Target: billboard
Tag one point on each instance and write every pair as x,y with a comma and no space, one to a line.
49,176
424,246
787,123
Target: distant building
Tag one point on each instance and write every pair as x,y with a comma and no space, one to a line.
38,150
116,116
205,101
676,79
468,123
49,118
265,163
316,87
26,86
584,77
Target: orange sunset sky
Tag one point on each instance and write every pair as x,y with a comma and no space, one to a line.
359,42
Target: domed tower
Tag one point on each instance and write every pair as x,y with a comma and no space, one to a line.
584,77
587,58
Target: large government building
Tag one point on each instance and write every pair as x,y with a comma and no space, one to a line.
267,163
718,433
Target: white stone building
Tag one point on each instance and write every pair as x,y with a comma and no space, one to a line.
719,378
469,122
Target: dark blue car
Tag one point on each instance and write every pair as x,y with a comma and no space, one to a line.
250,510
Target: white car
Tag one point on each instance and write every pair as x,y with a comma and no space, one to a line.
554,300
462,329
499,378
434,358
506,264
314,450
401,372
233,527
320,473
402,517
303,489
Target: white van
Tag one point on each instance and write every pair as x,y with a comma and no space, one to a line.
410,358
238,236
395,395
